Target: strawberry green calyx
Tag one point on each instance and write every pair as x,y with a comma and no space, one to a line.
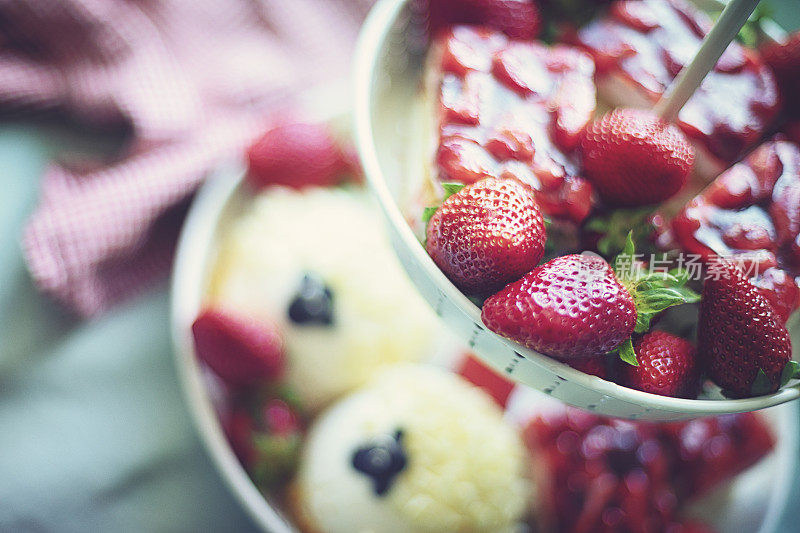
790,371
450,188
652,292
616,227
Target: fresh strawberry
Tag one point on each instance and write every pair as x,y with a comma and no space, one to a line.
576,306
784,59
519,19
296,155
667,366
481,375
634,158
741,342
596,366
486,235
240,350
266,434
780,290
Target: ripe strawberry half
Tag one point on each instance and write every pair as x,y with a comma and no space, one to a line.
667,366
576,306
297,155
634,158
240,350
741,342
486,234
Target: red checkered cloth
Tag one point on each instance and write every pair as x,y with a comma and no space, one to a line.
193,81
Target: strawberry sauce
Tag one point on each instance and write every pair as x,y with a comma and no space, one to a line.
514,109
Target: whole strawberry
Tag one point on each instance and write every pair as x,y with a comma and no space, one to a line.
577,306
266,434
634,158
667,366
487,234
571,306
784,60
241,351
519,19
296,155
741,342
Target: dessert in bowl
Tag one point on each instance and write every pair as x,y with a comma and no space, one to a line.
427,438
492,108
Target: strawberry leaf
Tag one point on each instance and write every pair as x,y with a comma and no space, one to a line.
652,292
428,213
627,353
616,227
790,371
451,188
761,385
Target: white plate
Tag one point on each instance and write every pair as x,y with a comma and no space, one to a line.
753,503
388,71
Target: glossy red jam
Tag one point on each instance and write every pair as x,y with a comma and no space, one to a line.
647,42
609,475
752,211
514,109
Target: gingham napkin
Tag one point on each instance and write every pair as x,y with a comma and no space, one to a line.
193,81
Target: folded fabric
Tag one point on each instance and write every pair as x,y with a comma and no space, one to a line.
193,82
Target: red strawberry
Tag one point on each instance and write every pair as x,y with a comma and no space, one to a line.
784,59
595,366
486,235
667,366
266,435
741,341
519,19
239,350
576,306
780,290
572,306
481,375
634,158
296,155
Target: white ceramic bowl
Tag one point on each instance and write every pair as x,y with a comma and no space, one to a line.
753,503
388,71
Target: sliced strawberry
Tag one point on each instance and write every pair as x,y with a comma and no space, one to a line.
481,375
572,108
666,366
784,60
520,68
519,19
463,160
296,155
511,144
240,350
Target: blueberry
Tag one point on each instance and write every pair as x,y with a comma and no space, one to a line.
313,303
381,459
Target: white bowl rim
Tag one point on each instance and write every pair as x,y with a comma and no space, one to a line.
374,34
